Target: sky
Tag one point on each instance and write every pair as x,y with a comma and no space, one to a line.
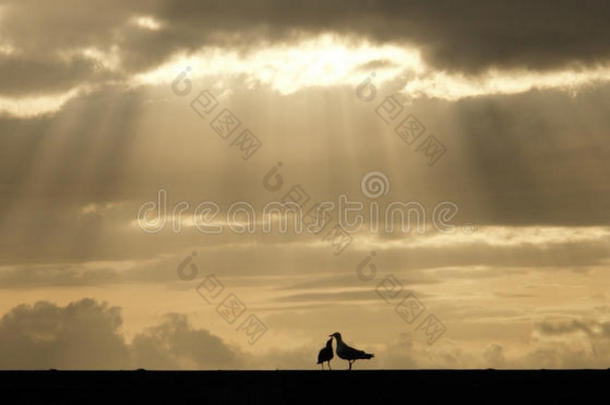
143,144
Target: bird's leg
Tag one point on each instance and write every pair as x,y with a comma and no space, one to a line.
322,364
350,364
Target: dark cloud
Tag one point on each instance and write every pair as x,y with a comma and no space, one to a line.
20,76
55,276
467,37
175,344
494,356
513,295
368,295
154,259
82,335
26,76
472,37
565,327
87,335
49,40
532,159
352,280
571,343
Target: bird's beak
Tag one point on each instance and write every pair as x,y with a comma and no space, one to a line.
330,335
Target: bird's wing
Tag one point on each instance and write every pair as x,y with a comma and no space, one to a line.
320,356
354,354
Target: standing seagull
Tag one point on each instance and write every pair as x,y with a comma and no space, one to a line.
349,353
326,354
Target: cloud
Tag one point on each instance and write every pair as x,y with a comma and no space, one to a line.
174,344
334,297
562,327
494,356
86,334
81,335
498,173
316,281
58,47
576,351
409,351
469,37
50,275
26,77
569,343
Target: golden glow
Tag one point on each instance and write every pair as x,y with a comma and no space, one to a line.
147,22
455,86
32,106
501,236
329,60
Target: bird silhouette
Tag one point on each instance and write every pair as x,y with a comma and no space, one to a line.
348,353
326,354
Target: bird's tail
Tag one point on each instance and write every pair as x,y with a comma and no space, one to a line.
366,356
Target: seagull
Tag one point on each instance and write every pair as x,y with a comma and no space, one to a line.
349,353
326,354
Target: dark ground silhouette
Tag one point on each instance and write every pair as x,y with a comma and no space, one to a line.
314,387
